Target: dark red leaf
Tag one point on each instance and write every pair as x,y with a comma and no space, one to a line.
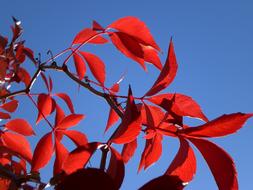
164,182
96,66
18,144
116,168
77,137
96,26
167,74
80,65
152,116
70,121
43,152
61,154
24,76
135,28
152,152
129,47
130,126
221,126
219,162
10,106
112,119
128,150
184,163
180,104
78,158
4,115
45,106
67,100
20,126
88,35
50,84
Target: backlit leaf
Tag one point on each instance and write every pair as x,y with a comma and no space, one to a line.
167,73
70,121
43,152
80,66
116,168
221,126
128,150
184,163
61,154
65,97
135,28
77,137
20,126
219,162
45,106
96,66
10,106
112,119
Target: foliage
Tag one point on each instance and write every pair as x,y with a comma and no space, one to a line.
155,115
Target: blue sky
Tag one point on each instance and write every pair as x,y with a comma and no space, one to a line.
214,47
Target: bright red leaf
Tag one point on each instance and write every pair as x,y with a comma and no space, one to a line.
61,154
78,158
180,104
88,35
45,106
10,106
18,144
184,163
20,126
59,115
43,152
67,100
219,162
4,115
116,168
130,126
112,119
151,56
77,137
167,74
70,121
96,66
135,28
24,76
128,150
80,65
221,126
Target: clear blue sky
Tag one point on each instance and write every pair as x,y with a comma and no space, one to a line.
214,46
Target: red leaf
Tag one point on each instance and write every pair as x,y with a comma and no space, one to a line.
78,158
61,154
45,106
67,100
152,152
152,116
96,26
43,152
4,115
184,163
112,119
88,35
130,126
135,28
70,121
219,162
221,126
151,56
96,66
128,150
50,84
129,47
80,65
18,144
167,74
20,126
59,116
180,104
77,137
24,76
164,182
10,106
116,168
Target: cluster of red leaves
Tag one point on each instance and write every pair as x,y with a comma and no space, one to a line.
156,115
